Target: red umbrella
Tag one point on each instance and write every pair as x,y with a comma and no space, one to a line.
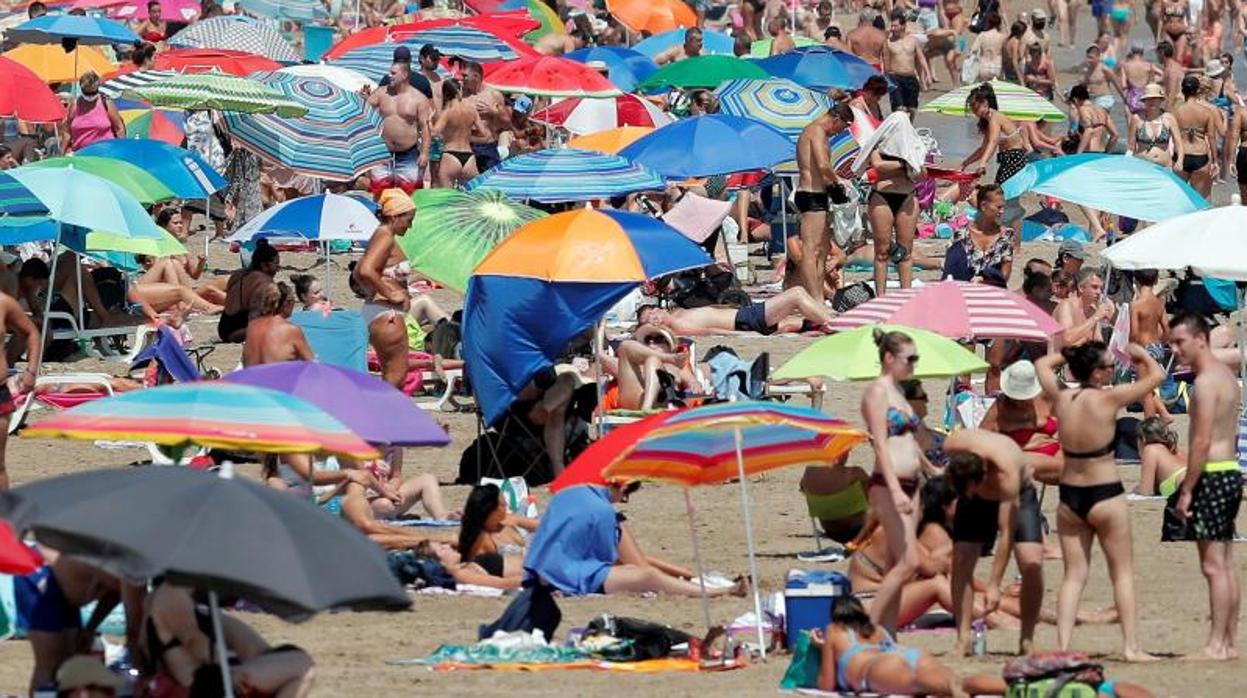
588,466
16,557
206,60
24,95
584,116
549,76
508,27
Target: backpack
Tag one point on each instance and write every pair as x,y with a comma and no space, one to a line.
851,296
649,640
1053,675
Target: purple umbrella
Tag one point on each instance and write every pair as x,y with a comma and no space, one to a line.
370,407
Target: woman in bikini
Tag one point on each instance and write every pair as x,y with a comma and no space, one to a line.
490,536
455,123
1021,413
1151,134
1092,499
1173,25
468,572
1199,126
892,210
1163,465
1002,138
898,464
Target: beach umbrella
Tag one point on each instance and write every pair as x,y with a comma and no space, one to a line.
453,231
238,34
701,72
114,86
17,200
588,466
343,78
465,41
762,47
713,144
16,558
77,197
207,60
625,67
25,96
1015,102
610,141
716,444
145,188
957,310
298,11
820,68
144,121
1211,242
208,414
320,217
852,355
713,43
652,16
186,174
566,174
582,116
52,64
87,31
1118,184
551,280
338,138
377,412
783,104
172,10
550,76
509,25
216,91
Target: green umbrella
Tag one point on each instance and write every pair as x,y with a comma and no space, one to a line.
216,91
852,355
762,47
141,185
1016,102
161,246
454,230
706,72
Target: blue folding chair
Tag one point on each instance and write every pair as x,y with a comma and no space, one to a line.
339,338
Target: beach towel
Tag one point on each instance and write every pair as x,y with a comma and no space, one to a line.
169,354
576,544
896,137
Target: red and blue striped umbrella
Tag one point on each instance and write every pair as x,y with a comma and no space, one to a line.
452,40
567,174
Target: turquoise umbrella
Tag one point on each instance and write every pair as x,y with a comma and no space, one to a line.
75,197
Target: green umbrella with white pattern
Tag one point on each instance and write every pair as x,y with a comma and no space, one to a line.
1015,102
203,91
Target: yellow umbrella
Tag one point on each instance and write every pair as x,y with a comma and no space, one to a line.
610,141
52,64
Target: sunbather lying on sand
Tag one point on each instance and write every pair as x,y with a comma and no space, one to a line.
764,317
489,535
468,572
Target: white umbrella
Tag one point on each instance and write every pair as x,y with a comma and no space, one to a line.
343,78
1212,242
319,217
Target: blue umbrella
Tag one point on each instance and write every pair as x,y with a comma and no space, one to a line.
567,174
626,67
185,173
820,68
317,217
463,41
711,145
781,103
51,29
17,200
1124,186
301,11
713,43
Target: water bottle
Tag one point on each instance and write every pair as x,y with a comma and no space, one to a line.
978,638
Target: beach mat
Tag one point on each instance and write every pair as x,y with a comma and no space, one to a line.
648,666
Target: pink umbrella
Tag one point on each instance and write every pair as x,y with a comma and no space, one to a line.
170,10
957,310
584,116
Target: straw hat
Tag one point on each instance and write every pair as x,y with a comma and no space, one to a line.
1214,68
1153,91
1019,382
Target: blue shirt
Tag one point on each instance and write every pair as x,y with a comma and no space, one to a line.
577,542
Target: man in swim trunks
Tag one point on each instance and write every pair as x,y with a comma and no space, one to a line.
1206,504
386,300
492,109
816,182
406,115
905,64
995,494
764,317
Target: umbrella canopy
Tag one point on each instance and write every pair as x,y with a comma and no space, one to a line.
50,29
1211,242
316,217
228,535
146,122
153,244
505,25
762,47
625,67
567,174
338,138
550,281
377,412
711,145
1121,185
957,310
113,87
77,197
343,78
25,96
236,33
16,558
53,64
214,415
17,200
610,141
588,466
713,43
170,10
300,11
550,76
582,116
652,16
145,188
206,60
464,41
186,174
783,104
1015,102
820,68
852,355
704,72
216,91
454,230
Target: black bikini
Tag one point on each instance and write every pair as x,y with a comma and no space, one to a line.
1081,499
894,200
461,156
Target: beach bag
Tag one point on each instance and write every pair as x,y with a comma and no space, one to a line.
970,68
532,609
851,296
1053,675
846,220
804,667
649,640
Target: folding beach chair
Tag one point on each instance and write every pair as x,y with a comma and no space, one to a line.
846,503
339,338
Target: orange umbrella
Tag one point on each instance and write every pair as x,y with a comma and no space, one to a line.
653,16
610,141
52,64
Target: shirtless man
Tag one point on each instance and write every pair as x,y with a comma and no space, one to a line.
1171,71
1209,497
1037,33
386,300
492,109
781,40
764,317
995,494
559,43
270,336
867,41
455,124
905,64
14,319
1147,329
429,58
405,118
817,179
1082,312
690,48
1135,74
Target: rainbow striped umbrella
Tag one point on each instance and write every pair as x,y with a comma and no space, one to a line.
1016,102
214,415
567,174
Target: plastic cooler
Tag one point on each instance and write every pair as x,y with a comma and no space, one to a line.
808,596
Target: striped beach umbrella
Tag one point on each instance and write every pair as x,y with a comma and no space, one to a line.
17,200
342,78
550,76
472,43
113,87
300,11
319,217
568,174
217,91
145,121
238,34
1015,102
338,138
584,116
783,104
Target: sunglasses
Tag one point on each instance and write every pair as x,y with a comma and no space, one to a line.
1107,366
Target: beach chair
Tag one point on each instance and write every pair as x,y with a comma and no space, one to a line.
846,503
76,327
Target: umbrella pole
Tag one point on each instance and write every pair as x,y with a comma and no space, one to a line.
47,304
1242,342
701,571
220,650
753,560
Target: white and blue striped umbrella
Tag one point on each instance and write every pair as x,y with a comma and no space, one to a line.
339,138
567,174
301,11
466,42
319,217
236,33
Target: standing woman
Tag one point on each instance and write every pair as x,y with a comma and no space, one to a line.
92,118
1152,133
456,121
894,483
892,210
386,300
1011,61
1003,138
1198,127
1236,149
1092,499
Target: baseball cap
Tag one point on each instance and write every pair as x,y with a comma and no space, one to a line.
402,54
83,671
1072,248
430,51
